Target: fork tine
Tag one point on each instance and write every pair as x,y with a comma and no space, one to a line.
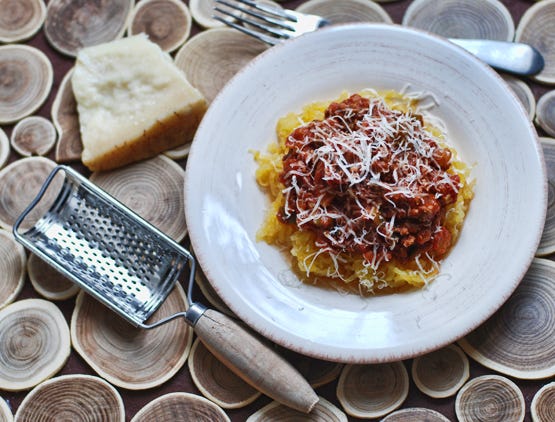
270,10
275,32
262,37
256,15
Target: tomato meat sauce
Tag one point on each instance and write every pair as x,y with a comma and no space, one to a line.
370,180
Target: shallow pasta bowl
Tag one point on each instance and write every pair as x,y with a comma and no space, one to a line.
485,123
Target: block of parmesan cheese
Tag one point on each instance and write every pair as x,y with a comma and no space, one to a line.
133,102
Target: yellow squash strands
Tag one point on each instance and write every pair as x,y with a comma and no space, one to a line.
347,270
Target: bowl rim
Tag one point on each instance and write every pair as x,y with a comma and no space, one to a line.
406,354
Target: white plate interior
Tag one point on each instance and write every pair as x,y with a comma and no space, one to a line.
486,124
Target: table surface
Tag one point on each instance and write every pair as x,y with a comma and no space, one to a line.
135,400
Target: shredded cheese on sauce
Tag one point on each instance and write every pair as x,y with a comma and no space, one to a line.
363,190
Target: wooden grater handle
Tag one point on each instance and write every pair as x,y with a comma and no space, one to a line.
250,359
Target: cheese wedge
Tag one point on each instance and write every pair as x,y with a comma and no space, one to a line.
133,102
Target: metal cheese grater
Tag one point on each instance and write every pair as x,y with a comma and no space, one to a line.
107,250
131,267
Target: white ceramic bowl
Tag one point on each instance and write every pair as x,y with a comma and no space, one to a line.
486,124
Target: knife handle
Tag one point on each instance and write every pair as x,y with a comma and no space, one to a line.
254,362
516,58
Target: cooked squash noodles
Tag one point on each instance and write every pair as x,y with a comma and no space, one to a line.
414,222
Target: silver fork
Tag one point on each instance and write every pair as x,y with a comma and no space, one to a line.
273,26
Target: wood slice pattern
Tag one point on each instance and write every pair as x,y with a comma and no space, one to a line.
519,339
547,242
48,282
323,411
189,407
19,184
4,148
346,11
543,404
75,398
153,189
166,22
34,343
201,10
20,19
33,135
12,268
537,28
73,24
5,411
178,153
66,120
490,398
210,294
480,19
413,414
372,391
545,112
211,58
67,155
216,381
523,92
316,371
26,77
441,373
127,356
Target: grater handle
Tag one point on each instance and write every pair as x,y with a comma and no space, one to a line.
33,204
254,362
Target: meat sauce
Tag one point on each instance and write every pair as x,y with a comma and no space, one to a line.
369,180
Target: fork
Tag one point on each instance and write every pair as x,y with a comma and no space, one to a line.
273,26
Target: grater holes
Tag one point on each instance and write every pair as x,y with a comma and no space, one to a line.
114,276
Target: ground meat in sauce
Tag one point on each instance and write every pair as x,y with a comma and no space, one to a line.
369,180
